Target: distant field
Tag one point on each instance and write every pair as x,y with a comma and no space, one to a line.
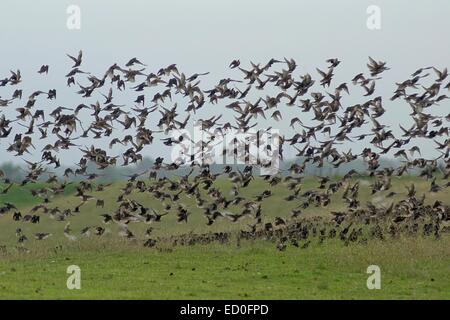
274,206
113,267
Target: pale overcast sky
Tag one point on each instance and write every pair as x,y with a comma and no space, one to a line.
205,35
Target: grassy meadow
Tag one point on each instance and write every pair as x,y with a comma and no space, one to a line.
113,267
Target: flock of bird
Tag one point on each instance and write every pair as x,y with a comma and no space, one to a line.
334,125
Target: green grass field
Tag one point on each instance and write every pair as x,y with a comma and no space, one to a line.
410,269
112,267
